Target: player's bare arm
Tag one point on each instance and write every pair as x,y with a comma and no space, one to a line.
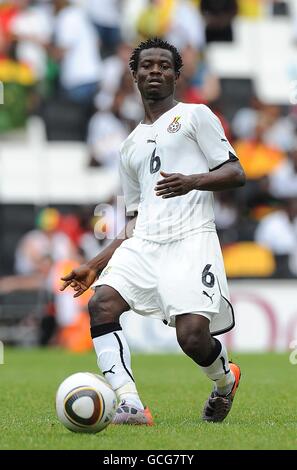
81,278
230,175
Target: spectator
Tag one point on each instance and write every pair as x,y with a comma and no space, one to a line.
279,131
218,16
154,19
127,102
77,50
279,7
278,231
283,181
251,9
71,316
17,79
87,242
106,132
186,26
44,241
198,77
7,13
106,16
245,119
226,211
31,27
114,68
257,158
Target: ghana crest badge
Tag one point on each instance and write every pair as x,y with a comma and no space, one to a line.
175,125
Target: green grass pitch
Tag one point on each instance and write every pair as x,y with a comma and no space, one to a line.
264,413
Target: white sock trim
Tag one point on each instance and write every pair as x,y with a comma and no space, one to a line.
220,372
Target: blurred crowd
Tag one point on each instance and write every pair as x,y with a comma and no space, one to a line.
67,62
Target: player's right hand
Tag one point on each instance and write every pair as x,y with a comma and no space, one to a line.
80,279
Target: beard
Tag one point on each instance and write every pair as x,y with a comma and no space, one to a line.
157,94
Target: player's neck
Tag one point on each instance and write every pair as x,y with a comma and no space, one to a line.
155,108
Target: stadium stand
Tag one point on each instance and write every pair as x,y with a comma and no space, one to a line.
45,154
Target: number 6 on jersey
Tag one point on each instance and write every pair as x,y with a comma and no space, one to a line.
155,163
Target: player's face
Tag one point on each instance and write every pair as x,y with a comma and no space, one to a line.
155,75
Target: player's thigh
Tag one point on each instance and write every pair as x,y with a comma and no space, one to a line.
191,279
131,272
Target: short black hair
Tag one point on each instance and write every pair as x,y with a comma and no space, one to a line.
155,43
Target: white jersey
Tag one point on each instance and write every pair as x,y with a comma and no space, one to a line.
187,139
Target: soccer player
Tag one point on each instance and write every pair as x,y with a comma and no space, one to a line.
171,266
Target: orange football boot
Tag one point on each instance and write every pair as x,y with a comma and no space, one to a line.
129,414
218,406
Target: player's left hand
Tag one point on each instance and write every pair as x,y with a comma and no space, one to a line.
173,185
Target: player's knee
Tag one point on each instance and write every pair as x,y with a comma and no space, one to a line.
193,342
102,308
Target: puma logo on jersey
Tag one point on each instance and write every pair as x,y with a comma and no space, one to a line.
110,371
175,125
207,295
152,141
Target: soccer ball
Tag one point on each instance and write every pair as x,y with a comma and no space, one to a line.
85,402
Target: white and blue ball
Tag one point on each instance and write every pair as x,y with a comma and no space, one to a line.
85,402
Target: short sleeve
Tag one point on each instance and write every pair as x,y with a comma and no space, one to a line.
208,131
130,185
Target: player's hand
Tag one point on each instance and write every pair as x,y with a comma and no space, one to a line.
80,279
173,185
